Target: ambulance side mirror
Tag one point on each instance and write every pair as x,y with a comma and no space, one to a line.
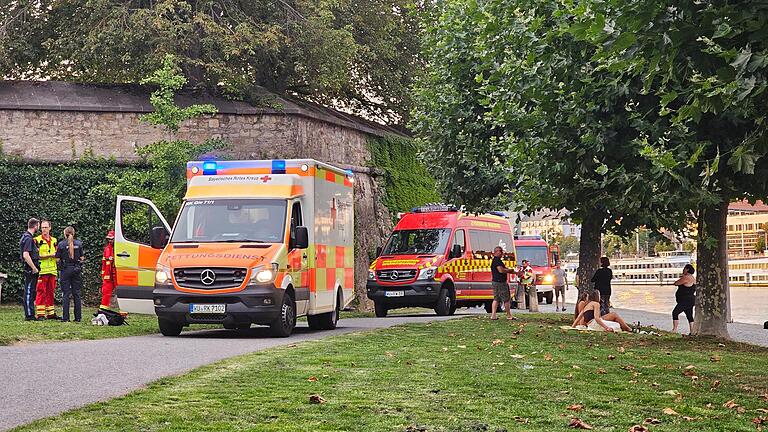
456,252
302,238
159,237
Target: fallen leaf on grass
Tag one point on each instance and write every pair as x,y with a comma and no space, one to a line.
669,411
759,422
461,346
517,356
548,357
497,342
577,423
714,358
765,397
710,406
721,345
316,399
312,379
731,404
762,410
638,428
741,410
575,407
601,371
621,349
389,354
611,357
715,385
561,346
651,421
686,418
576,367
672,392
520,419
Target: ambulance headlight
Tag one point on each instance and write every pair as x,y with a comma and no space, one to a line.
548,278
263,274
427,273
163,275
371,275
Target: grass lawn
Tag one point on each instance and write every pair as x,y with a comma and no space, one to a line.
468,374
13,328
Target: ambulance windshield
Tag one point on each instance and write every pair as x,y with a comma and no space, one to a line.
231,220
536,255
417,242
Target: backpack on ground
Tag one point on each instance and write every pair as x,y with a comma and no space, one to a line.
113,318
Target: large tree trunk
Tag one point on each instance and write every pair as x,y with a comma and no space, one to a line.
712,294
589,250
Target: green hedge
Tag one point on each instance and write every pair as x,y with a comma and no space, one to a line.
407,182
66,194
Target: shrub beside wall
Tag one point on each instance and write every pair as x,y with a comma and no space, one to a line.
66,194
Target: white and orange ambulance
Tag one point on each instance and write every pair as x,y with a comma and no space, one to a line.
255,242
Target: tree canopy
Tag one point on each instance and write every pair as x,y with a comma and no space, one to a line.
359,54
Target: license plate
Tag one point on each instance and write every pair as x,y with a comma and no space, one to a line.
394,294
208,308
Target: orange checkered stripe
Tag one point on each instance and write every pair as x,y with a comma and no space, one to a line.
332,263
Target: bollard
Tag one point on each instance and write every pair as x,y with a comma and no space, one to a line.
533,299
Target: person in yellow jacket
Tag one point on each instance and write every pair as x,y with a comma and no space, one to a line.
46,282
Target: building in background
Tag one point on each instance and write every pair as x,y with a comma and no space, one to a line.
546,223
747,225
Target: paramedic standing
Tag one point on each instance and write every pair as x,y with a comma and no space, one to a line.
108,273
499,282
46,281
70,254
30,260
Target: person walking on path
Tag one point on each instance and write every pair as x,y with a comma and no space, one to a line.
499,282
602,280
30,260
561,285
70,254
46,281
685,296
108,272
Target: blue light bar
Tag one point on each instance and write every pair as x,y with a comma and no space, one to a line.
278,166
209,168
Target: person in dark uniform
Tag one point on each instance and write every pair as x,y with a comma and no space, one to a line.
685,296
71,256
499,283
602,280
30,260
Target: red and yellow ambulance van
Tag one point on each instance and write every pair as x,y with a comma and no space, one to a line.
255,242
542,258
438,257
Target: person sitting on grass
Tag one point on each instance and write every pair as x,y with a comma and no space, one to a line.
590,317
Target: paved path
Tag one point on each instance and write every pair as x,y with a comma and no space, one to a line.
45,379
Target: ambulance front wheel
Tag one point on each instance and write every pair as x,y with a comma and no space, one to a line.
168,327
444,303
380,309
284,324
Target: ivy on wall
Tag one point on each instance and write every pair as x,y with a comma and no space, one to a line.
65,194
407,182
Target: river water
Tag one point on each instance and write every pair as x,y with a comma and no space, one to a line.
748,304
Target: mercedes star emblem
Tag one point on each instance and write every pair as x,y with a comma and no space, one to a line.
207,277
394,275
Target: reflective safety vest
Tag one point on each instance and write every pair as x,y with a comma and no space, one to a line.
47,247
527,278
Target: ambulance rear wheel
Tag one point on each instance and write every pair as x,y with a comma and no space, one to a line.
444,303
380,309
328,320
168,327
284,324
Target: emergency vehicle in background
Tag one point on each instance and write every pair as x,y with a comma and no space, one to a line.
440,258
542,259
255,242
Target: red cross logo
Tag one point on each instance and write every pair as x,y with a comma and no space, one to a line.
266,178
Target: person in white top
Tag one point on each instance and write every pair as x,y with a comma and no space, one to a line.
561,284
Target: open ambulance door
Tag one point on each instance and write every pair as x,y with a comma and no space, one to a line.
135,256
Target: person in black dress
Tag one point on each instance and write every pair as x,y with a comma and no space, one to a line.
602,280
685,296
